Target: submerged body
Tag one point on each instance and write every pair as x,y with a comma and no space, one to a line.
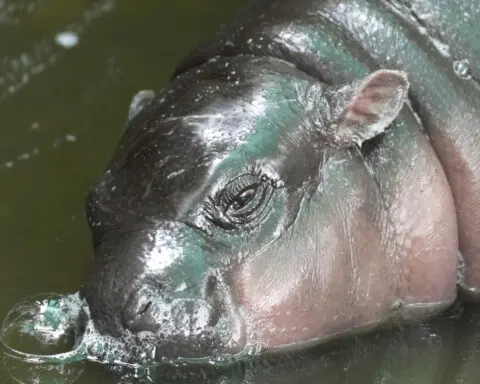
284,190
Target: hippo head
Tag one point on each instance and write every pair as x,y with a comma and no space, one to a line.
219,226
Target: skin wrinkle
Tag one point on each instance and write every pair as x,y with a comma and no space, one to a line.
380,192
316,270
345,225
458,169
419,164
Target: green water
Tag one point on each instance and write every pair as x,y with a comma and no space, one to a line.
62,111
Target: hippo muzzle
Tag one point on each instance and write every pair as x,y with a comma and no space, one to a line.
156,285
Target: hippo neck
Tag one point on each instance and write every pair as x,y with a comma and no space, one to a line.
313,37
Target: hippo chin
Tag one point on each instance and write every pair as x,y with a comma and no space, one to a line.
314,173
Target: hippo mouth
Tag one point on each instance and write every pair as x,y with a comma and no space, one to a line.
58,329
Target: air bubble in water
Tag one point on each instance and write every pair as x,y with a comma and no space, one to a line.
42,325
38,336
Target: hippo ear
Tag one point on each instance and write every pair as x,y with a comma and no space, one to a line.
139,101
367,108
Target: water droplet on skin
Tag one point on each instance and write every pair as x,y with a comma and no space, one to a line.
462,69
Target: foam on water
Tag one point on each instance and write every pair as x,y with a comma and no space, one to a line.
43,327
56,330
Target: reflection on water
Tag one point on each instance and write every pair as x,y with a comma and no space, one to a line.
443,351
68,70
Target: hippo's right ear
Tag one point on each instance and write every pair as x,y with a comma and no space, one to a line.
366,108
139,101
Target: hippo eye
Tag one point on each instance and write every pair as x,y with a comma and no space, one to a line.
244,197
243,200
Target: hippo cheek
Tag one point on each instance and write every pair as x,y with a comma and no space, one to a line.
282,305
299,302
330,273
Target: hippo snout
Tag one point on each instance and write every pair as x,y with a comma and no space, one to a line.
146,311
189,315
179,324
156,286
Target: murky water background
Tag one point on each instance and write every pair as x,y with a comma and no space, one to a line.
68,70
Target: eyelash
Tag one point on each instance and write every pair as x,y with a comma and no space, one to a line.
255,170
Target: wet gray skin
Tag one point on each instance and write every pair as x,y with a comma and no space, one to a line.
283,191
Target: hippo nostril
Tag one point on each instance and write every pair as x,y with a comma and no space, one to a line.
211,286
137,310
144,308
